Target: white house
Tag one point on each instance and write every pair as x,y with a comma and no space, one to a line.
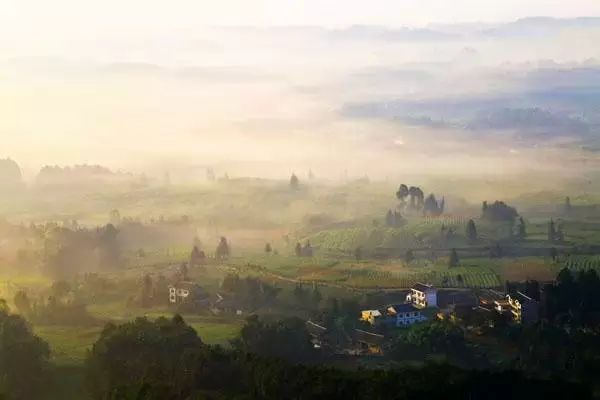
405,314
422,296
186,292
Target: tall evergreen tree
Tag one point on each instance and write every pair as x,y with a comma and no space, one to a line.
471,231
551,231
223,249
294,182
453,261
409,256
298,249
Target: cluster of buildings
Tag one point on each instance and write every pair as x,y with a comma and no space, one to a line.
515,306
420,298
423,302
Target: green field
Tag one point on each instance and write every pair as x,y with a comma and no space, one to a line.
69,344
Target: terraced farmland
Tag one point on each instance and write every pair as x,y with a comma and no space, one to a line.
582,262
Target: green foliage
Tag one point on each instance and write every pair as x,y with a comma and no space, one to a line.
249,293
471,231
23,358
223,249
286,339
498,211
140,353
431,337
574,299
453,260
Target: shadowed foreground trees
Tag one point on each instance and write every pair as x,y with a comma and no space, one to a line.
166,360
142,353
23,358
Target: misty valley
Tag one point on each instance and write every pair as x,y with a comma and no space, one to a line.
120,285
317,199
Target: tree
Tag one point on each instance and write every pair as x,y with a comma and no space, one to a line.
471,231
436,337
431,206
453,261
183,272
143,352
496,251
23,358
402,193
60,289
568,206
358,253
114,217
294,182
307,250
299,293
286,339
316,297
108,246
222,249
409,256
298,249
551,231
268,248
160,292
498,212
146,292
560,235
22,303
522,234
416,197
553,253
389,219
197,256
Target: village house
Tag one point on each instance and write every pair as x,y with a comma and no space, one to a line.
401,315
317,334
422,296
370,316
398,315
524,309
516,305
368,342
185,292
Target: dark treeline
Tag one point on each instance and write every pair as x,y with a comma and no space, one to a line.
165,359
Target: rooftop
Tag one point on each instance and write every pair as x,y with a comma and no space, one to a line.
422,287
402,308
522,297
368,337
315,329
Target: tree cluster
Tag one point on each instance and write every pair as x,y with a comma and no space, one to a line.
414,199
303,251
393,219
249,293
574,298
498,211
23,358
166,360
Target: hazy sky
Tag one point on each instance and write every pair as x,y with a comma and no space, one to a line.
58,18
128,82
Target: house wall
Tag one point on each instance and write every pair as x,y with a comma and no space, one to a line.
424,299
409,318
431,297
